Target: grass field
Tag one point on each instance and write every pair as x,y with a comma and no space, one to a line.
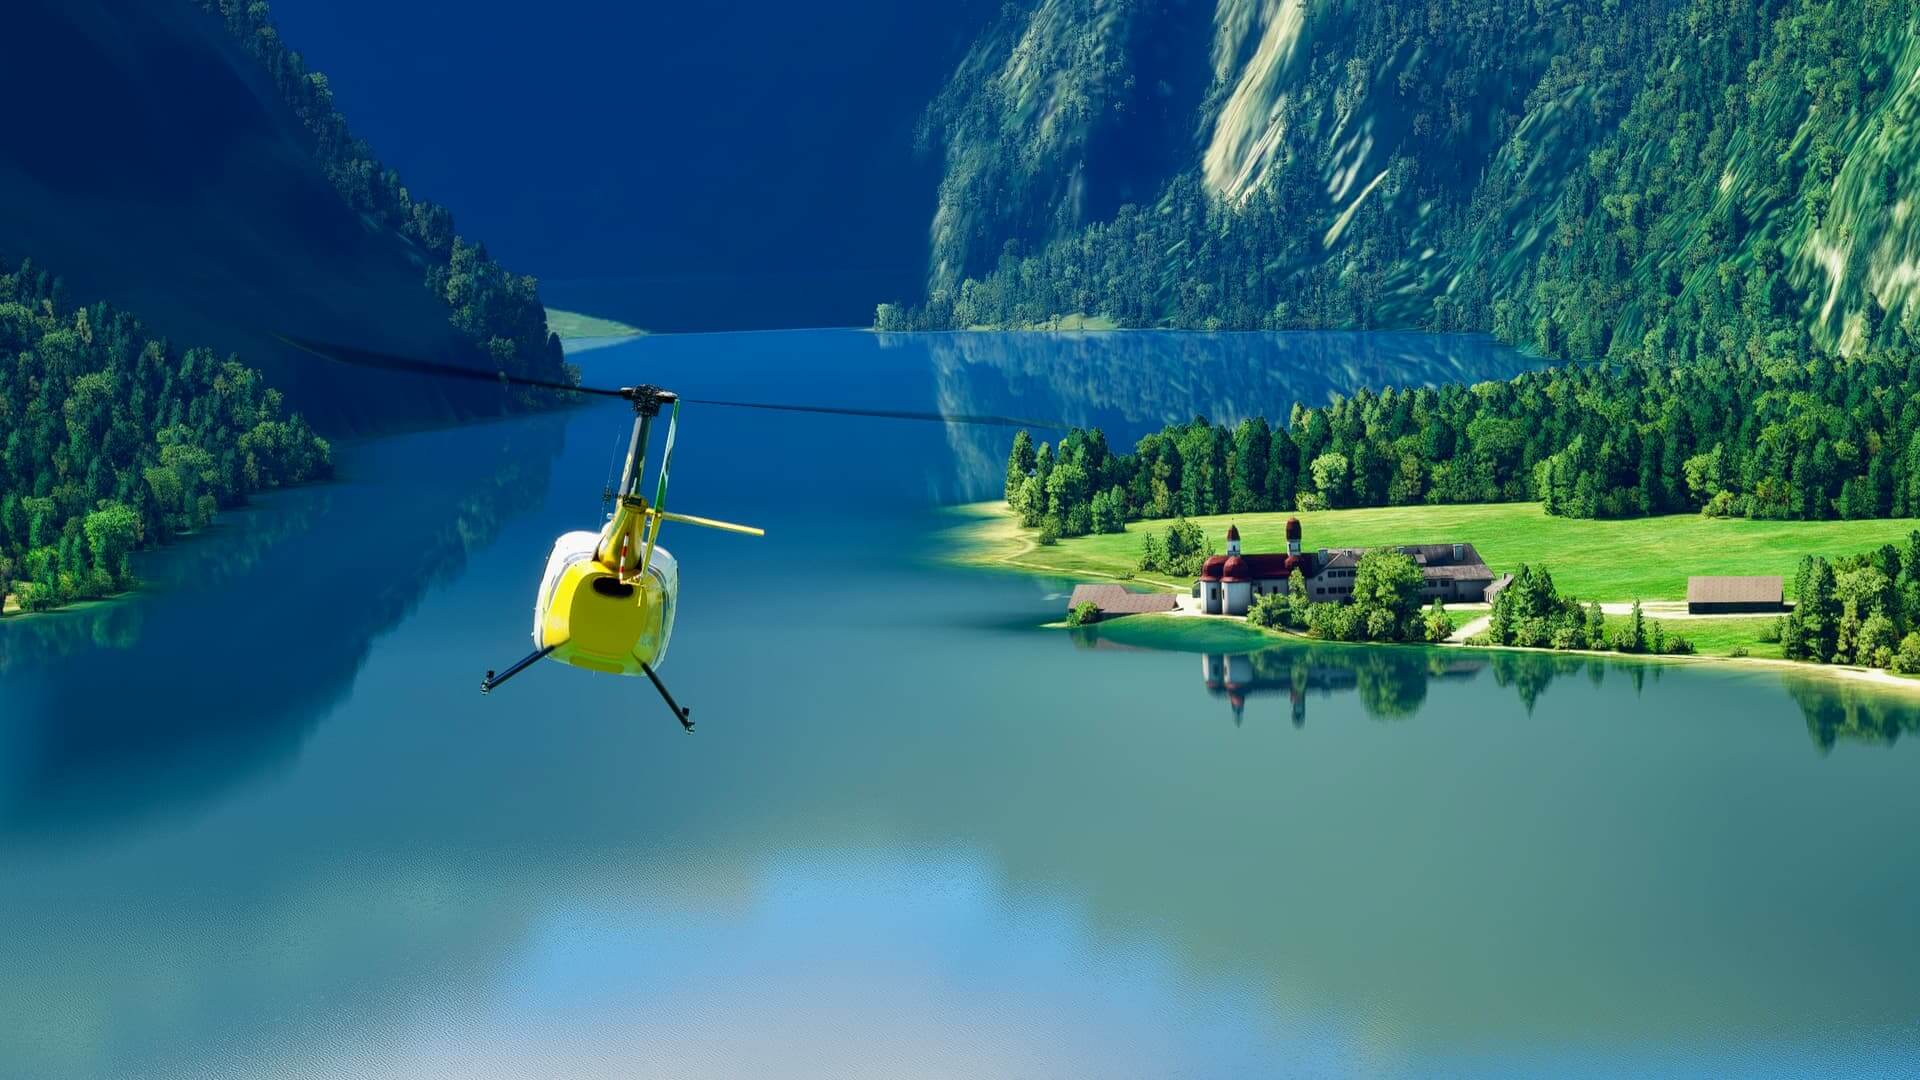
1642,558
1717,637
572,324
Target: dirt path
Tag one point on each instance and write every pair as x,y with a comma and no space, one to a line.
1469,628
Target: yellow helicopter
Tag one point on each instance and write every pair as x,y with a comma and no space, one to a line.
606,599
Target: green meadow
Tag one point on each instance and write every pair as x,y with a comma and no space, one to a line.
572,324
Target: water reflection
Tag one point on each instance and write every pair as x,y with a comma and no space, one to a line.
247,636
1839,712
904,802
1392,684
1129,383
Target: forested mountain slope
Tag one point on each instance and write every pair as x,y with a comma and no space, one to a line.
1592,177
176,159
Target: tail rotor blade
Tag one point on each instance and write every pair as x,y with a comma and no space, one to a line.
711,523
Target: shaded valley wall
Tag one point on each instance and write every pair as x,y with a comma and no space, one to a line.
148,162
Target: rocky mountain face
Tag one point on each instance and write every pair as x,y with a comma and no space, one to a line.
1590,177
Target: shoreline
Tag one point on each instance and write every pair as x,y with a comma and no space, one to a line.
1876,678
972,514
11,611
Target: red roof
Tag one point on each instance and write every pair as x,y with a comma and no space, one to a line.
1261,567
1233,532
1277,565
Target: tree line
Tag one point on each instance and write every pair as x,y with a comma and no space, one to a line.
1797,438
1863,609
115,440
499,311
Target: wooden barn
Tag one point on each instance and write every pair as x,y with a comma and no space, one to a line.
1734,595
1115,600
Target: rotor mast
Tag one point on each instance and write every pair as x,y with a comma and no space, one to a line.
621,544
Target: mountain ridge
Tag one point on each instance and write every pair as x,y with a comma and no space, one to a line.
1592,179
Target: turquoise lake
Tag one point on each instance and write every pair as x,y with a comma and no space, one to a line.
258,821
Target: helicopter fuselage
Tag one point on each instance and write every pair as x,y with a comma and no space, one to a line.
593,619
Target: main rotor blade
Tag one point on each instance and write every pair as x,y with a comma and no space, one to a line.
347,354
885,414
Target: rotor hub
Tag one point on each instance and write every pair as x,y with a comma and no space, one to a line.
647,400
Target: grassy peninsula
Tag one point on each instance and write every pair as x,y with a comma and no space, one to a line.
1614,562
572,326
1644,559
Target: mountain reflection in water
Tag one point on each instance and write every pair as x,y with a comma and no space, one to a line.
227,687
1129,382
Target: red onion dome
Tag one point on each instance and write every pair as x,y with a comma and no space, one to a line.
1234,569
1233,532
1213,568
1293,528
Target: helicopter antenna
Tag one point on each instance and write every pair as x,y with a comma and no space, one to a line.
641,396
613,466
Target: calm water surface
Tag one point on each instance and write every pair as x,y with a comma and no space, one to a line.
257,821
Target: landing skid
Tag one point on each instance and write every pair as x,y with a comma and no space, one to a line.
487,684
679,713
492,682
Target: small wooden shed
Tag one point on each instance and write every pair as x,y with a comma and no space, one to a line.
1734,595
1117,600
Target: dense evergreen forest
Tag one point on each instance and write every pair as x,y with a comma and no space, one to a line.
1805,438
1864,609
1655,179
499,311
115,440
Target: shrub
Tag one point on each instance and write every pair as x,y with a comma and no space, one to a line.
1738,651
1439,624
1907,660
1084,613
1271,611
1723,504
1049,531
1771,631
1181,550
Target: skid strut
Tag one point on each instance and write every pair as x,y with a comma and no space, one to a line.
487,684
679,713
